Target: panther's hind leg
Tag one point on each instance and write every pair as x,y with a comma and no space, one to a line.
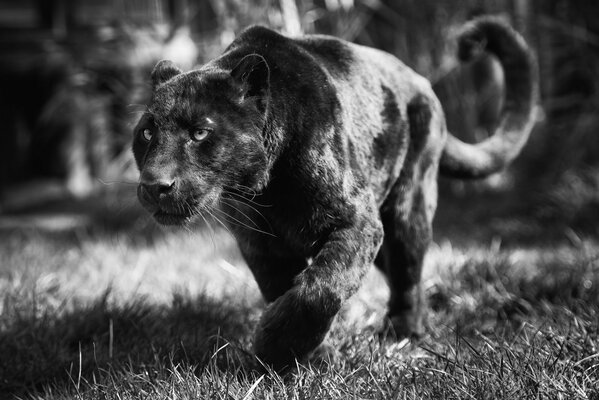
407,215
407,236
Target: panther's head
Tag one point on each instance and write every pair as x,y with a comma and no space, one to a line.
201,136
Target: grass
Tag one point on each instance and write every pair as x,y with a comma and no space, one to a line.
110,307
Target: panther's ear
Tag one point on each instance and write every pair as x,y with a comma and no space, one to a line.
253,74
163,71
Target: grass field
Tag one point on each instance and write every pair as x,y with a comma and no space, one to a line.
99,303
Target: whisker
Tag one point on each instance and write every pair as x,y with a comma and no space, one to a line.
240,185
188,230
212,233
108,183
239,211
186,208
218,220
245,199
196,209
252,208
241,223
246,190
245,202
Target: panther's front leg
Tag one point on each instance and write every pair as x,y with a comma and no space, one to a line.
297,322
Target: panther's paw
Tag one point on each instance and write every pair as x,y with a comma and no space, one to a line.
289,331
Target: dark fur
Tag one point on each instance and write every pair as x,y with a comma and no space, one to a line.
341,141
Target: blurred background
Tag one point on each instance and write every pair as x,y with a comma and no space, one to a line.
74,78
87,279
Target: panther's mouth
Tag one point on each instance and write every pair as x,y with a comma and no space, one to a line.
168,218
173,209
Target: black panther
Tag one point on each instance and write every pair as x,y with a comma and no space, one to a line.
344,142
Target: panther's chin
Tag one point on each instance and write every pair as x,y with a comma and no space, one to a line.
171,219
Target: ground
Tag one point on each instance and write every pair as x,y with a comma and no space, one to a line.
98,302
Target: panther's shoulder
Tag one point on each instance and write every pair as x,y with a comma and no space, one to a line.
261,38
308,50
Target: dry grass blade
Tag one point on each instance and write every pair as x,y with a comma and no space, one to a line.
248,395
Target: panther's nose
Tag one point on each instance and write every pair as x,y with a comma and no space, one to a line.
154,186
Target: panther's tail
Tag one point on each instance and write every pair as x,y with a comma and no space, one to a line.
492,34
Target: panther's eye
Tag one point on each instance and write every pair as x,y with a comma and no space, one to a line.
200,134
147,134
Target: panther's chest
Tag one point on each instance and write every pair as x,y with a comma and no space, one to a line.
294,217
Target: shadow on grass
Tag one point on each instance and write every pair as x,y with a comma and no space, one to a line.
64,348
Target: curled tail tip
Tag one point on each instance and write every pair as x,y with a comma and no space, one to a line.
475,36
494,35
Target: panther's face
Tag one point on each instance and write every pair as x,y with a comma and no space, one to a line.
200,137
